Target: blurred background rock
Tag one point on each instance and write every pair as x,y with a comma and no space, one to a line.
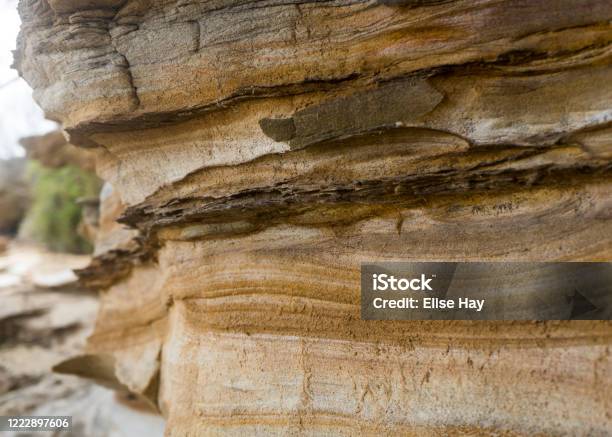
14,194
48,218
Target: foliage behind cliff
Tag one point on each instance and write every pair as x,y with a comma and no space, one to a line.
54,215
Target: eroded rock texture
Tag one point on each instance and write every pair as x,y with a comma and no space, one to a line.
259,151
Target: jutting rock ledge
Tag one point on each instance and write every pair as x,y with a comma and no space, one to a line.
256,152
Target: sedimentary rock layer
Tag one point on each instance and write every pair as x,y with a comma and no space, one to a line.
257,152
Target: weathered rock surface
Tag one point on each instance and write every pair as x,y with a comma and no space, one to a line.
259,151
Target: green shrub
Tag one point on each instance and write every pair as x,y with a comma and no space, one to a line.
54,214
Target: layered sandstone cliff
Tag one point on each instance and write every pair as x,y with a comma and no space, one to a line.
257,152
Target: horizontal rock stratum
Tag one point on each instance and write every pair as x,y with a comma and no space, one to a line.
257,152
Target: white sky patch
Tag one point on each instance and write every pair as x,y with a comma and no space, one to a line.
20,116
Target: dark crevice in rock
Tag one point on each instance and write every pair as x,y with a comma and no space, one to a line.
280,201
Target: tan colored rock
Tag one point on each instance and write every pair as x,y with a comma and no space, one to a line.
259,152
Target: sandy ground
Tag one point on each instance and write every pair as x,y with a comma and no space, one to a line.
44,319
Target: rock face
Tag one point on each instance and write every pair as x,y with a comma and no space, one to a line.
260,151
